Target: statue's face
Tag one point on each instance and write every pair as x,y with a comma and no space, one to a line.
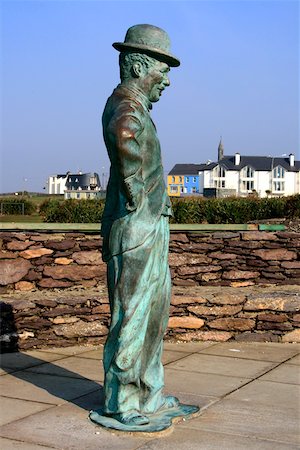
156,80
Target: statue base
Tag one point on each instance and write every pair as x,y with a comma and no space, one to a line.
158,421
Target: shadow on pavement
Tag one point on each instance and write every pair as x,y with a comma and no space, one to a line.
57,382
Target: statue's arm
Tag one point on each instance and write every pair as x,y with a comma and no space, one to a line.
128,130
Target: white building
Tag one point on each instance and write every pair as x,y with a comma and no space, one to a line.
243,175
56,184
75,185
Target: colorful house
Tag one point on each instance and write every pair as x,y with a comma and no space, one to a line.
183,179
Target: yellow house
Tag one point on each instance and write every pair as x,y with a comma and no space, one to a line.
175,185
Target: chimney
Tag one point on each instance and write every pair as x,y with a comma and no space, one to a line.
292,160
237,159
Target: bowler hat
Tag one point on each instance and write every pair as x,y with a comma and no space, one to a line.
148,39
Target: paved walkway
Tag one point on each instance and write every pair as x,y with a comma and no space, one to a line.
249,395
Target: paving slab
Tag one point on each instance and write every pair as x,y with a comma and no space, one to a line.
262,409
73,367
209,364
189,347
92,354
11,444
295,360
44,388
67,427
201,384
71,351
170,356
22,360
286,373
183,439
14,409
256,351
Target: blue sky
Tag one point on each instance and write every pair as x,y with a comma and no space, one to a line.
238,78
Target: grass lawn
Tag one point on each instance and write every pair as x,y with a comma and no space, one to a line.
34,218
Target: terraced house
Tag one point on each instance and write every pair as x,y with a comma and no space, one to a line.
237,175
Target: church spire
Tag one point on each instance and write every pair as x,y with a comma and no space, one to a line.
220,150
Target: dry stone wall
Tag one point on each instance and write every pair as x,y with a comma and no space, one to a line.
227,286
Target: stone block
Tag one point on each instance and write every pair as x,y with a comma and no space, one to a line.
181,282
227,299
64,244
215,336
19,245
88,257
178,260
210,276
258,236
272,317
281,326
291,264
50,283
227,310
185,322
178,237
273,301
223,255
81,329
4,254
182,299
72,272
293,336
12,271
276,254
234,324
24,286
63,261
240,275
35,253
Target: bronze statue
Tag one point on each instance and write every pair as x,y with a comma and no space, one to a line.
135,234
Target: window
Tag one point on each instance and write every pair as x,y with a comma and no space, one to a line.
248,172
278,172
174,189
181,189
194,179
193,190
187,179
180,179
248,185
78,195
278,186
173,179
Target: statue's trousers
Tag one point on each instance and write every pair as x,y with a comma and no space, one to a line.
139,287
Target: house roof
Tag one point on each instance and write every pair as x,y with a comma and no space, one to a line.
187,169
259,163
81,180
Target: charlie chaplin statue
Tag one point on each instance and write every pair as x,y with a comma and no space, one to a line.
135,232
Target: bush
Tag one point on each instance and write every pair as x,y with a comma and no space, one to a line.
72,211
233,209
17,205
185,210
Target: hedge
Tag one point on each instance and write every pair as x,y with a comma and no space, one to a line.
16,206
185,210
72,211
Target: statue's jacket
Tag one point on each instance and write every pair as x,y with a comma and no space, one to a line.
136,194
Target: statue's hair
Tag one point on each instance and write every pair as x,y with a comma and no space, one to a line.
127,59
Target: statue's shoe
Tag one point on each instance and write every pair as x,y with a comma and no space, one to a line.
168,402
131,418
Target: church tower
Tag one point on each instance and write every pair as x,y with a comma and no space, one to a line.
220,150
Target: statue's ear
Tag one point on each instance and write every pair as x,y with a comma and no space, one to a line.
137,69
